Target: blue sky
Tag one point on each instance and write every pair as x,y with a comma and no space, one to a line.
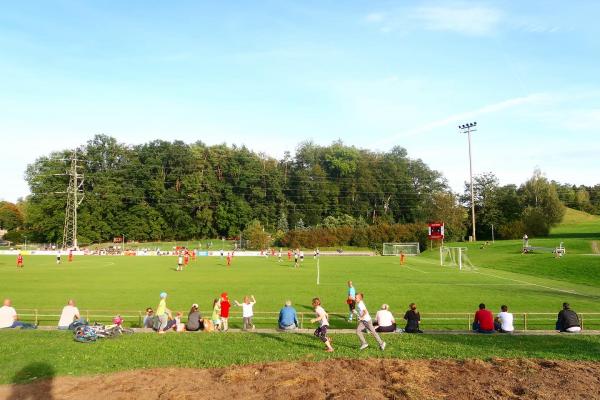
272,74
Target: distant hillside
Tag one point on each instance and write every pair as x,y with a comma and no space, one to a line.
578,224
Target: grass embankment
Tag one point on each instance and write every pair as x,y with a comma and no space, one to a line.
20,349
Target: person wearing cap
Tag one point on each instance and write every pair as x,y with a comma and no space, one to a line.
163,313
194,322
288,319
225,306
568,321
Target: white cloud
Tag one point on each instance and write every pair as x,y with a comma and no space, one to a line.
468,20
459,118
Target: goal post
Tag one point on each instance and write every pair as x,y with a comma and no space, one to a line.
455,257
394,249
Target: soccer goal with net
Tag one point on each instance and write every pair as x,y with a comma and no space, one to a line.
394,249
455,257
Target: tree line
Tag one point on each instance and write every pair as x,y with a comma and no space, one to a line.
164,190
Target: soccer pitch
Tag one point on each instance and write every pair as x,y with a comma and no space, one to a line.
127,285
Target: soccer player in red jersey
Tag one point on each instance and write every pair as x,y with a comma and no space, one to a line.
228,259
19,261
194,255
186,258
289,255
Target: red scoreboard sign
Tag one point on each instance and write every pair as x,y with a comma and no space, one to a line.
436,230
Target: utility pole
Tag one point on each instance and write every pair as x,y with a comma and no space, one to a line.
468,128
74,199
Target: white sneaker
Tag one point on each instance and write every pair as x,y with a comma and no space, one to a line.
382,347
364,346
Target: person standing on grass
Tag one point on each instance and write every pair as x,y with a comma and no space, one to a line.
365,323
58,257
289,255
504,321
351,300
229,256
484,320
70,258
279,256
247,311
225,306
323,319
413,319
296,255
402,258
216,314
180,262
10,319
163,314
568,321
20,261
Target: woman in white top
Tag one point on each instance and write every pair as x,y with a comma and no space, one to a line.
247,311
385,320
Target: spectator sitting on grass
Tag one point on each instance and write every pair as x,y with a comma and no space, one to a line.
568,321
70,314
287,317
413,319
384,320
148,321
504,321
10,319
194,322
484,320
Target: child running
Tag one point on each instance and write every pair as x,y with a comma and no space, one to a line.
247,311
225,306
322,319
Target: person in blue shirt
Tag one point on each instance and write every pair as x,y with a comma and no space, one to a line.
351,300
287,317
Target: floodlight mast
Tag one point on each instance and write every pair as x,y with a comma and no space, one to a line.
468,128
74,199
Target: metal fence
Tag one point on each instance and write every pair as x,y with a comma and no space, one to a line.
431,321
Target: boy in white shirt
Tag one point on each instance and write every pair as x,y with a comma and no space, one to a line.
365,323
504,321
323,319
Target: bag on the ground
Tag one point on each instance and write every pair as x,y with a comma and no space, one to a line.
84,334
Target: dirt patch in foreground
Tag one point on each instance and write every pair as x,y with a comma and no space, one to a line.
335,379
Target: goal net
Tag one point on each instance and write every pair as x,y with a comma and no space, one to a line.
456,257
394,249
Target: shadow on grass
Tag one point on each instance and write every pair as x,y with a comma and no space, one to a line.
39,375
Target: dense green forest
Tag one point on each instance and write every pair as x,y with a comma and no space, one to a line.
172,190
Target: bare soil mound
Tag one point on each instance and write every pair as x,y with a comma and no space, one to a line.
335,379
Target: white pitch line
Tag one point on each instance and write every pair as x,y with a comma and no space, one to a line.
529,283
414,269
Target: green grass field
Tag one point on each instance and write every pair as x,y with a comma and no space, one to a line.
532,283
